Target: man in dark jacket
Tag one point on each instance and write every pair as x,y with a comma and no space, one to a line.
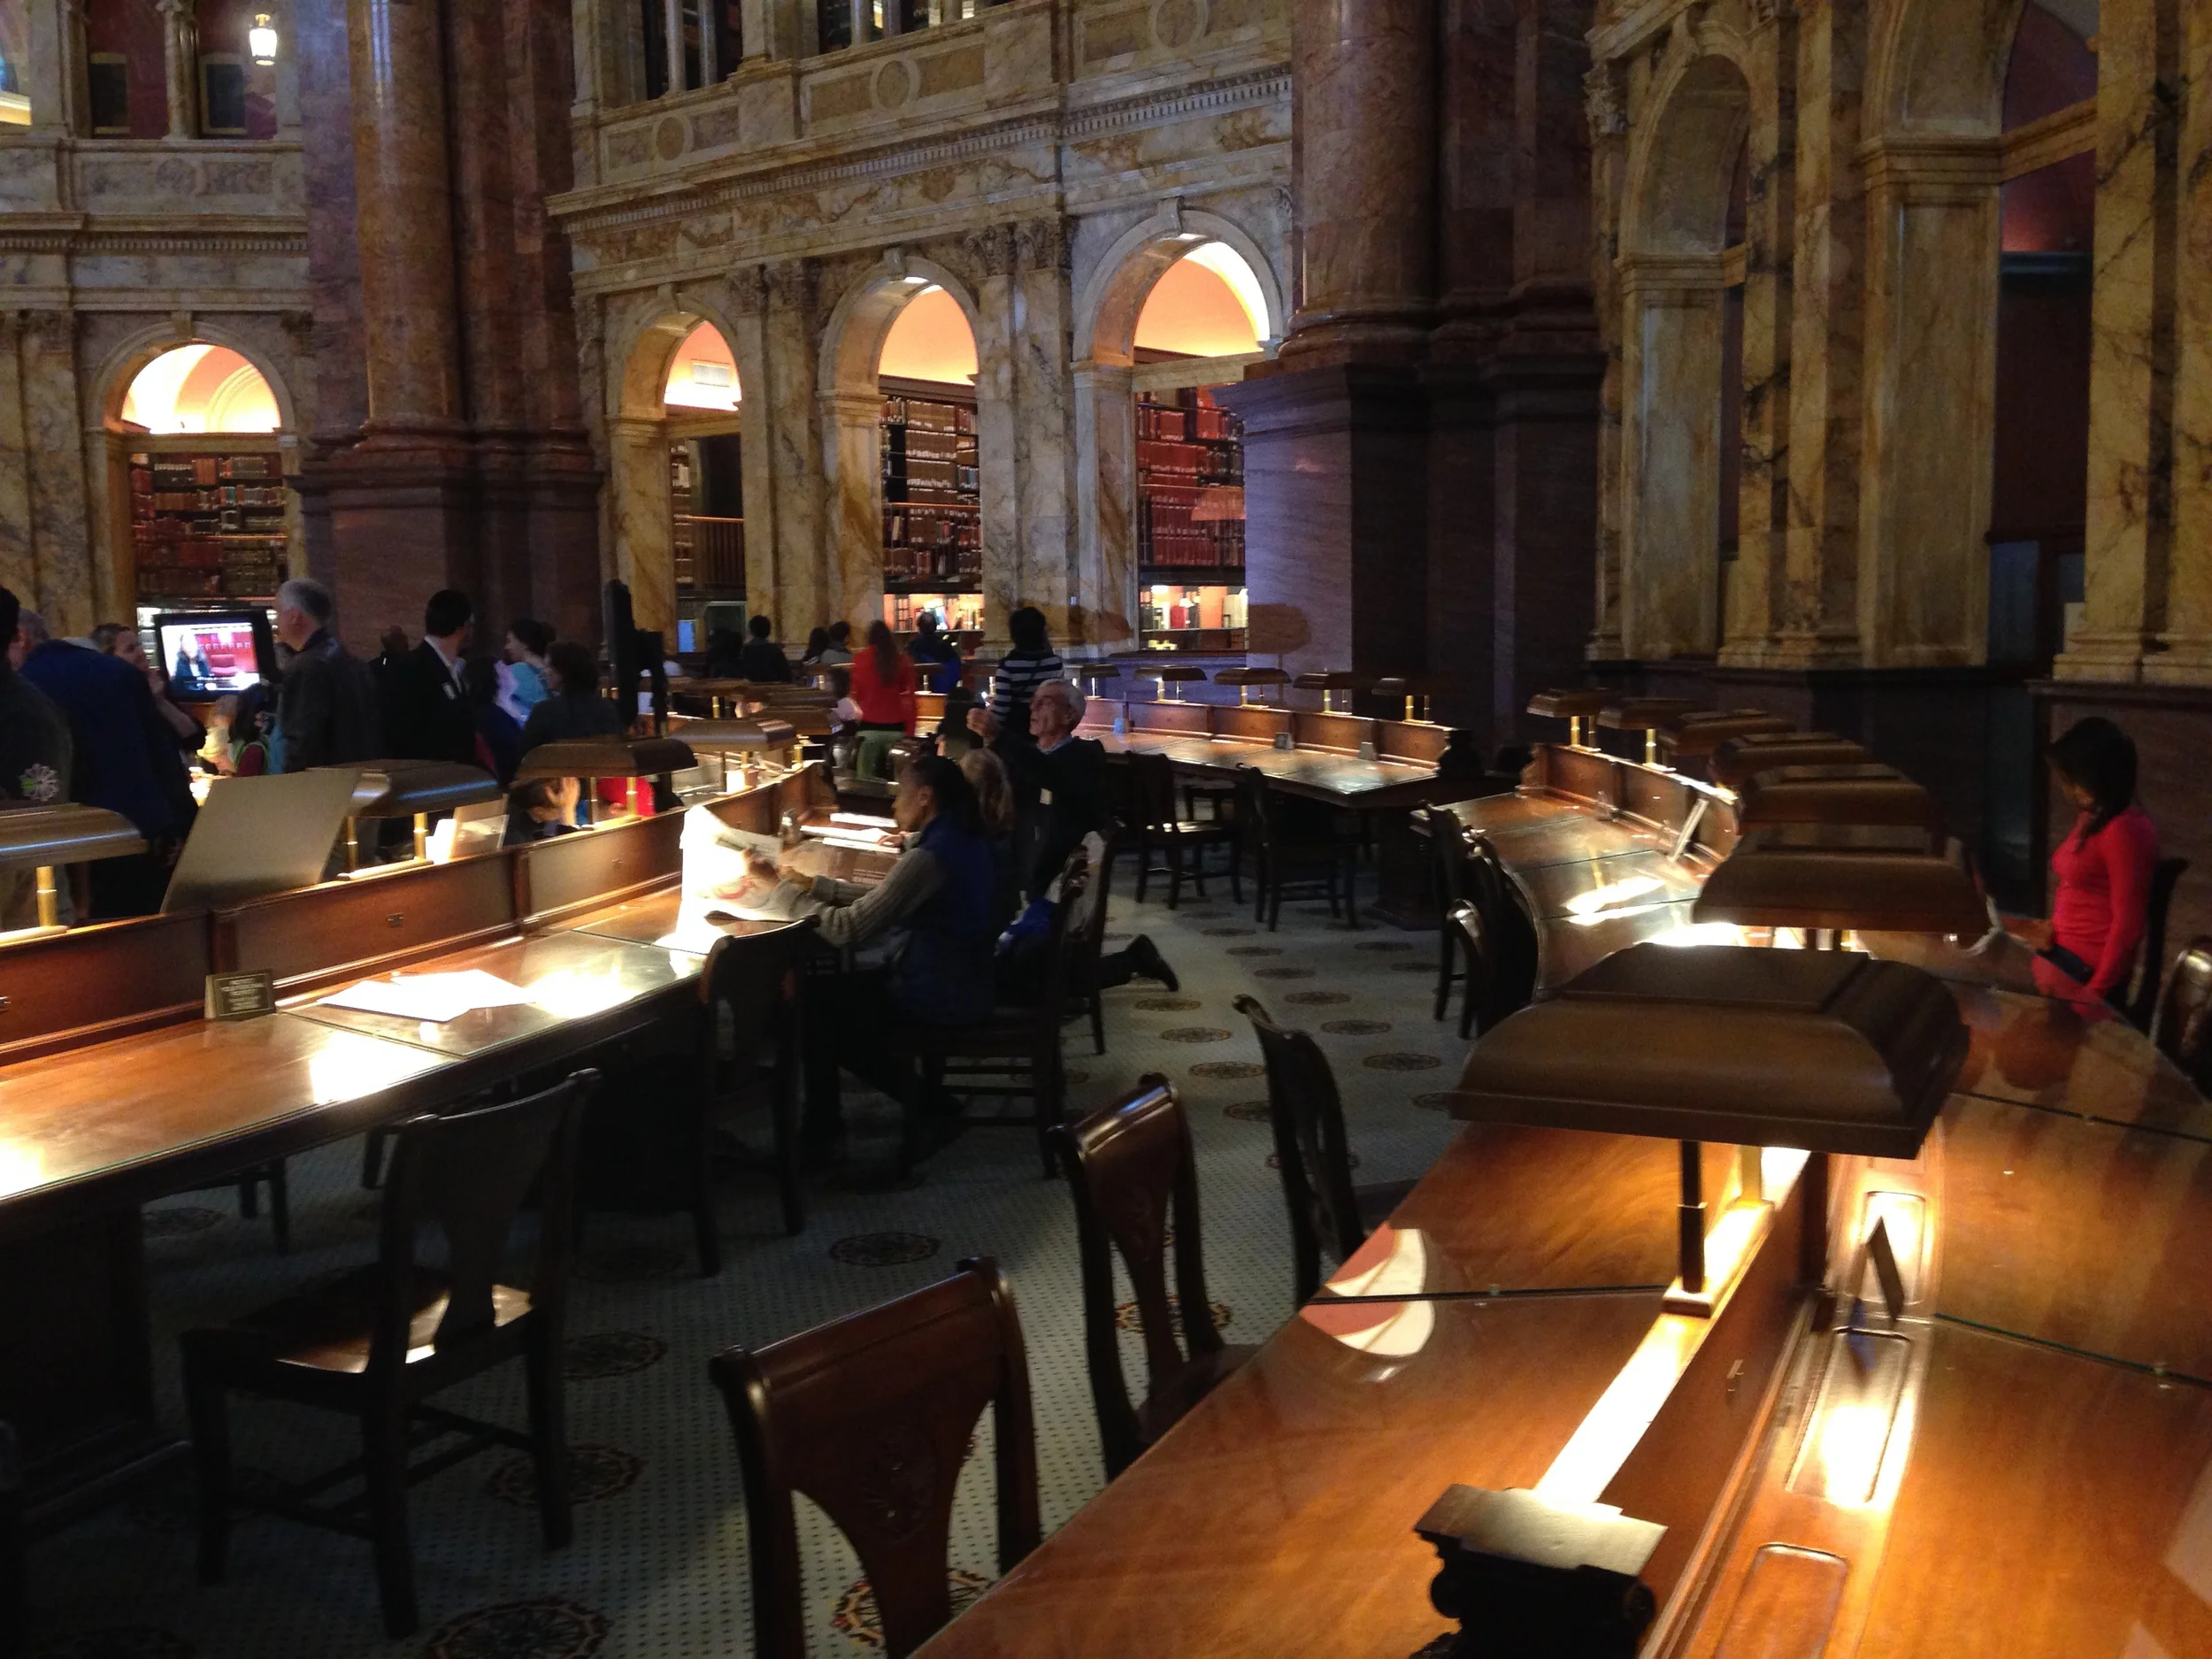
33,735
1059,781
430,716
124,759
762,661
328,713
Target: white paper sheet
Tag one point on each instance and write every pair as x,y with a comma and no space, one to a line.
435,997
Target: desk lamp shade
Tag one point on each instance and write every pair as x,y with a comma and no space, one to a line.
1829,1051
1880,878
1642,714
37,837
763,734
1737,758
401,788
606,757
1700,733
1571,703
1860,795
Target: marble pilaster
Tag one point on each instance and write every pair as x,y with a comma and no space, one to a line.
55,74
1670,437
1043,452
2187,635
1929,376
1605,101
789,335
1819,602
998,422
67,591
2128,532
637,485
179,53
19,548
1106,548
852,444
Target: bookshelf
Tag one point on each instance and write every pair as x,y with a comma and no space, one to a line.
932,513
1190,520
208,521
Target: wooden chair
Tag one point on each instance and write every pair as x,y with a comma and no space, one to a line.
1016,1052
749,1057
383,1339
249,1183
1308,1116
2184,1031
868,1415
1127,1167
1448,869
1479,1006
1507,931
2144,1004
1287,864
1087,943
1161,831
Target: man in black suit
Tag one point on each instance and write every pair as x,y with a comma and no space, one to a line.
430,716
329,708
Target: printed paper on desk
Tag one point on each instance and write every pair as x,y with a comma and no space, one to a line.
720,878
436,997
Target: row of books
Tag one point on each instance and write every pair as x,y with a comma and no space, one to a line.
185,471
919,414
1202,424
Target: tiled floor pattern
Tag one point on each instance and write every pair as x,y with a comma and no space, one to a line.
658,1566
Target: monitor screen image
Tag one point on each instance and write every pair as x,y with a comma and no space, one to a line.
210,653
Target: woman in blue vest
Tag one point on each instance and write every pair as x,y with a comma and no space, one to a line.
925,936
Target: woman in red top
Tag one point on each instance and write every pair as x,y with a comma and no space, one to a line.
884,684
2102,869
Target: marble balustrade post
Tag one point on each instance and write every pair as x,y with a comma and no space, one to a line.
1365,87
2129,535
180,53
1930,389
1818,604
1670,437
1105,503
853,445
2187,635
404,213
711,68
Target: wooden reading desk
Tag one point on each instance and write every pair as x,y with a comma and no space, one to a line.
2019,1461
94,1124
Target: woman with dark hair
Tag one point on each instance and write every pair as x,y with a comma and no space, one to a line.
573,706
817,642
1021,671
938,909
2101,871
884,682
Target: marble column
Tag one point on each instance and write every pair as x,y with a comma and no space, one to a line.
18,542
1931,371
1044,436
852,443
68,590
1671,438
2132,389
1105,497
180,57
1818,604
1605,102
791,332
2187,636
748,343
1364,106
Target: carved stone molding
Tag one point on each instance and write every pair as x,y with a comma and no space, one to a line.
793,283
990,251
1043,245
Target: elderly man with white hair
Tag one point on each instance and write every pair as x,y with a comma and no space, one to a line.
1060,797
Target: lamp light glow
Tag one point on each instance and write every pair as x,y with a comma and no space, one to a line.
261,40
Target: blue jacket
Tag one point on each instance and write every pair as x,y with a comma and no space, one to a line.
945,974
125,758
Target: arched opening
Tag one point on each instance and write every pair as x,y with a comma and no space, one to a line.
677,485
1205,306
931,472
1684,268
200,499
2039,429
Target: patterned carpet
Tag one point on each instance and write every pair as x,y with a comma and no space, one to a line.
658,1566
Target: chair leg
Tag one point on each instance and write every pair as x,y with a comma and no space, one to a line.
706,1230
1236,880
1098,1021
1351,902
1175,873
1144,868
1046,1079
209,1412
250,1196
1444,975
549,1440
280,1208
372,1158
384,1462
1467,1010
785,1111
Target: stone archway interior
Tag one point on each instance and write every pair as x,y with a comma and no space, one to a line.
703,374
200,387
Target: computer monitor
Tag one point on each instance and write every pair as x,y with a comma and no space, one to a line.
209,653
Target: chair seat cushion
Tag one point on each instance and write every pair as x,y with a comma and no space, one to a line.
329,1328
1183,1389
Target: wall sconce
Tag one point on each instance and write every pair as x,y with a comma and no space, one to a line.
261,40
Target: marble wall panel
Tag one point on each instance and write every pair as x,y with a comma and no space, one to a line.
18,540
637,486
1106,495
1670,460
998,419
2188,638
68,589
1044,439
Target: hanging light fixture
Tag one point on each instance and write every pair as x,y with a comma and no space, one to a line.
261,40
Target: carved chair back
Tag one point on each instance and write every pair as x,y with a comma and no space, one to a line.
2183,1032
1311,1151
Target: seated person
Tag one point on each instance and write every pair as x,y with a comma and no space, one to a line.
939,901
1021,948
541,809
2101,871
1059,781
994,805
571,707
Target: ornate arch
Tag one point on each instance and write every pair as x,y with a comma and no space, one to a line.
1938,68
852,340
649,345
1700,116
1107,309
120,366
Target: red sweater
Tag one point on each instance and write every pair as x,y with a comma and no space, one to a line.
2103,894
881,703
